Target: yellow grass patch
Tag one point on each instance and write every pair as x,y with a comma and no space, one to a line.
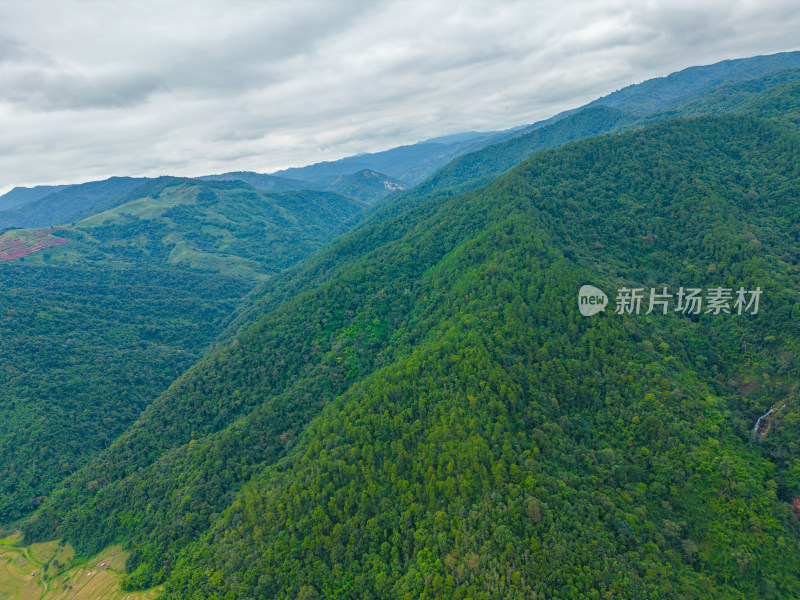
46,572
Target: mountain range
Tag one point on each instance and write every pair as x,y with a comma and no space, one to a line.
371,377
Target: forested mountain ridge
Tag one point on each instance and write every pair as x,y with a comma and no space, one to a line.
658,93
449,424
446,302
45,206
410,164
223,226
22,195
262,181
772,95
653,95
473,504
742,96
93,329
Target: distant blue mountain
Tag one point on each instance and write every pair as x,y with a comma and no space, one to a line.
658,93
61,206
262,181
20,196
456,162
409,164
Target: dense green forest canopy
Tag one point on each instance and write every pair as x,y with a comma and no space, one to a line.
82,352
772,95
440,420
218,226
419,410
92,330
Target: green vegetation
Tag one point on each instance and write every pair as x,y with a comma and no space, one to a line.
656,94
772,95
93,329
48,571
224,227
438,419
419,410
82,352
58,205
368,185
520,449
482,166
262,181
20,196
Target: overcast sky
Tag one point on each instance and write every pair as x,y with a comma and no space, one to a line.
91,89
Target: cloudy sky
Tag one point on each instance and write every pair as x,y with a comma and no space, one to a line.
91,88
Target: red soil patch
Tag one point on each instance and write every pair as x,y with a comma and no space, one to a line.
15,244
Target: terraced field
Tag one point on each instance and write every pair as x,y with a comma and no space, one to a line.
21,242
49,572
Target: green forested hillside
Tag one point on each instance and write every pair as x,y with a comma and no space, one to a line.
93,329
772,95
217,226
82,352
524,451
365,185
625,110
751,96
438,420
482,166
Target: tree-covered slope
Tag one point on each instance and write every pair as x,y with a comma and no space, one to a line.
82,352
93,329
221,226
484,165
521,450
439,420
750,96
366,185
627,111
772,95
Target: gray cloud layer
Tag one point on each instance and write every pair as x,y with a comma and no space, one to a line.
92,89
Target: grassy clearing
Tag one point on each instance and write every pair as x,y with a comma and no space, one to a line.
147,208
48,571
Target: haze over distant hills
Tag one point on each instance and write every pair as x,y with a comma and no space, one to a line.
370,377
406,166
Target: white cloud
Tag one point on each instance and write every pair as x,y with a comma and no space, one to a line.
91,89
